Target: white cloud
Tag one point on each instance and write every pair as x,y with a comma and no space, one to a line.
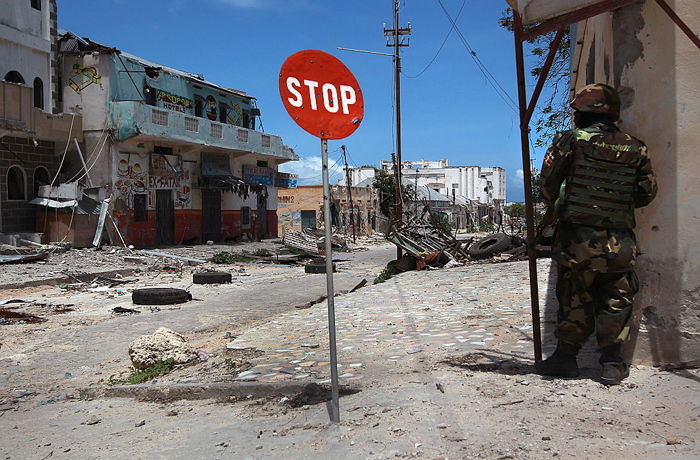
519,175
310,171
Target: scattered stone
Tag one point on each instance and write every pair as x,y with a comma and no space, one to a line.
172,413
442,426
163,344
546,438
94,420
141,423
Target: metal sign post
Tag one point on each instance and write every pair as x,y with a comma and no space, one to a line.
323,97
327,222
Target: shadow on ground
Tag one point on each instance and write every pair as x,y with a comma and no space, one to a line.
505,364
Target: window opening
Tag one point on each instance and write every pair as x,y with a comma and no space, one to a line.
15,183
245,216
41,177
38,93
36,4
198,105
14,77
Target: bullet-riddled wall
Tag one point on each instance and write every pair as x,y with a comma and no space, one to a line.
640,50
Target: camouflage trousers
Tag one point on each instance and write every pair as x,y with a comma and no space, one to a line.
592,301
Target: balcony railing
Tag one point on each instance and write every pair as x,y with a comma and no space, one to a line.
134,118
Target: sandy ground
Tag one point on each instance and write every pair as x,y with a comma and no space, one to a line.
422,393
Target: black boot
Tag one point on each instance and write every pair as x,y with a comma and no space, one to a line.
615,370
562,363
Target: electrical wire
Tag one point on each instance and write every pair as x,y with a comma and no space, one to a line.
502,93
65,151
437,53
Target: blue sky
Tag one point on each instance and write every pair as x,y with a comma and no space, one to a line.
450,111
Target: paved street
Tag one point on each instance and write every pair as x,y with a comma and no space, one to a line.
441,359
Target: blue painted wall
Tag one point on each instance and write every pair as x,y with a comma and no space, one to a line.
175,92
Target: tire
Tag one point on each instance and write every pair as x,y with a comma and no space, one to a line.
490,245
160,296
211,278
316,267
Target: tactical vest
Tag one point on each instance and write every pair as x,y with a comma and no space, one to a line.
600,187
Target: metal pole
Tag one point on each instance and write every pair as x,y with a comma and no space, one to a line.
397,96
679,22
348,184
527,177
335,405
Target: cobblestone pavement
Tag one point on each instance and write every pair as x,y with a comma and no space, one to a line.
461,309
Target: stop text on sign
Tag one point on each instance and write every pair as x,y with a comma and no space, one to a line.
329,94
321,95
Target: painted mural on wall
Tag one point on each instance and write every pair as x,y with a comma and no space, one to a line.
83,77
211,108
168,100
169,172
130,176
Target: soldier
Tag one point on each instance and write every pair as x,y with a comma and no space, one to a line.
593,177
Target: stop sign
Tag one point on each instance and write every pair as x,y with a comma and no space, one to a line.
321,95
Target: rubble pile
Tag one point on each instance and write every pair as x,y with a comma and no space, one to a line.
423,240
163,344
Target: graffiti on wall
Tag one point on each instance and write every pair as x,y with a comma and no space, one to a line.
130,176
83,77
172,101
211,108
168,172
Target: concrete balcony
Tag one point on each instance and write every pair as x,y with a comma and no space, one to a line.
130,118
19,117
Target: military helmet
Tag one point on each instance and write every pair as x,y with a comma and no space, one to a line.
597,98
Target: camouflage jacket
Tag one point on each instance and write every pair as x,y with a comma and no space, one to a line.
595,245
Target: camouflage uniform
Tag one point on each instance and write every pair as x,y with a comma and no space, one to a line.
593,178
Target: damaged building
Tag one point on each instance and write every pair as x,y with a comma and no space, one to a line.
302,208
33,131
168,157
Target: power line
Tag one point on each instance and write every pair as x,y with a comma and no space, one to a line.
502,93
437,53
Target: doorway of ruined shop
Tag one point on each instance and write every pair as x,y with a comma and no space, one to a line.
211,215
165,217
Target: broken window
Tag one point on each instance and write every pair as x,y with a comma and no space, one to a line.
140,208
15,183
14,77
41,177
245,216
38,93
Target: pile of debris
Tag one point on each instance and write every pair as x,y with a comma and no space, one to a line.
312,240
427,243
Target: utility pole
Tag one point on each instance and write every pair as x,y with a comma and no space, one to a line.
400,38
347,185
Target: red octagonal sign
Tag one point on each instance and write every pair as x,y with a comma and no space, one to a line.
321,94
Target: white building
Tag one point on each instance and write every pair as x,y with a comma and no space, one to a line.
27,33
486,185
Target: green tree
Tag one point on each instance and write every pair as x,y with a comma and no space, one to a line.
515,210
385,183
552,115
